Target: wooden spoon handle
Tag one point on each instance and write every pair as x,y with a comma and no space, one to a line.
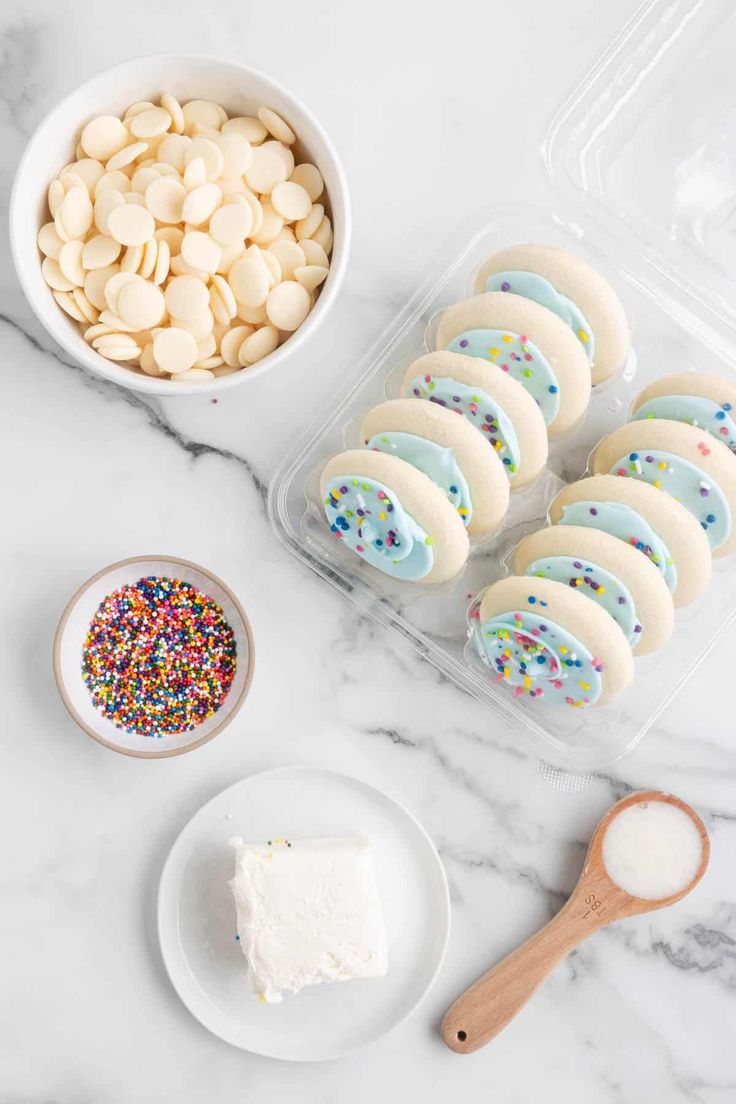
494,999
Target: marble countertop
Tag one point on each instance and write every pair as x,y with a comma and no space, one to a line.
435,110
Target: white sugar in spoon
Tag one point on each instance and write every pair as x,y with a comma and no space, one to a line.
649,851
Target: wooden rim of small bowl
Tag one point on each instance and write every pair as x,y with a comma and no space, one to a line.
234,709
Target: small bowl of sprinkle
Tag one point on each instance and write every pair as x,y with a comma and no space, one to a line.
153,656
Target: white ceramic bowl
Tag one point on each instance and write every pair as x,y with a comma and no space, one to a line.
241,91
69,643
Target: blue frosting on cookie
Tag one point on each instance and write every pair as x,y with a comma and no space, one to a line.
533,286
368,517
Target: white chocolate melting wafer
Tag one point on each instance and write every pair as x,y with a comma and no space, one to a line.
186,244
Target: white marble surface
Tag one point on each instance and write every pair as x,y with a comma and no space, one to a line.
435,109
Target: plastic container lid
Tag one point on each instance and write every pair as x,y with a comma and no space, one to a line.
645,149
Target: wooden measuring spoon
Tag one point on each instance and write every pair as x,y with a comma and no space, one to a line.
492,1002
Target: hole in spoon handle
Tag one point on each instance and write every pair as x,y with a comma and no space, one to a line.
458,1038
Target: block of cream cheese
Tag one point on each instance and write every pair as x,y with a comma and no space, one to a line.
308,912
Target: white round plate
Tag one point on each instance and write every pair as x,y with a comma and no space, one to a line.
196,914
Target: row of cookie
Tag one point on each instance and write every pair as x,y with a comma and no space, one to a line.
425,479
624,546
517,363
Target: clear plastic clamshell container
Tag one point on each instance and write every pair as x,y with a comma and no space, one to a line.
643,165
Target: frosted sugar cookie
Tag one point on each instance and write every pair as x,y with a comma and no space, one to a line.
531,344
393,516
492,401
684,462
708,402
447,449
607,570
655,524
546,640
572,290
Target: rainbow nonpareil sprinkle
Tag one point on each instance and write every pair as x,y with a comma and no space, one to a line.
159,657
